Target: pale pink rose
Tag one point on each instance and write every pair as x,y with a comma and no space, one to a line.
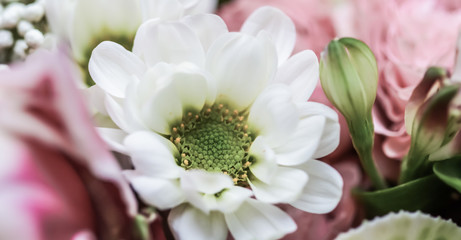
407,37
343,217
57,178
312,18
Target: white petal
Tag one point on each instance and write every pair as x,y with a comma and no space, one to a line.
161,9
95,98
286,186
114,138
161,193
258,220
302,145
232,198
200,6
153,155
58,15
242,66
117,113
277,24
132,106
329,140
112,67
264,165
181,91
301,73
188,222
205,182
89,24
201,186
171,42
323,190
274,115
208,27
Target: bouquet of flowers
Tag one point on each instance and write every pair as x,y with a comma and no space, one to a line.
240,119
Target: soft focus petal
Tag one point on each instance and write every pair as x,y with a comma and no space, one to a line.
323,190
171,42
114,138
93,20
162,9
277,24
257,220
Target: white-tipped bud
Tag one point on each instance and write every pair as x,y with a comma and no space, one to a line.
34,38
34,12
19,49
24,27
6,39
12,14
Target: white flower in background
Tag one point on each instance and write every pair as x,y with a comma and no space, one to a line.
86,23
23,29
212,118
404,225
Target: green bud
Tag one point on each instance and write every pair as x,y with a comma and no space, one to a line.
349,77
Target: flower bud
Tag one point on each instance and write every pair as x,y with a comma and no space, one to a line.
432,81
349,77
435,122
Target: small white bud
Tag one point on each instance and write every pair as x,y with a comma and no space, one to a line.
34,12
6,39
24,27
12,14
34,38
19,49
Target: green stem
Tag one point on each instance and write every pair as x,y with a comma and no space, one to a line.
414,166
362,132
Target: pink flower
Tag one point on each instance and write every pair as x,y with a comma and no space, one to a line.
57,178
312,18
407,37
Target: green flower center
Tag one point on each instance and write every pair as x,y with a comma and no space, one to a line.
216,140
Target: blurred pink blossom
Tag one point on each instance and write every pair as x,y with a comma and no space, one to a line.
57,178
312,18
407,37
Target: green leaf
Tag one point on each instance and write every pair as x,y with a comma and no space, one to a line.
449,171
425,194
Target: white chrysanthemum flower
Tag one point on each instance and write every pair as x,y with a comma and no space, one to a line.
212,118
405,226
